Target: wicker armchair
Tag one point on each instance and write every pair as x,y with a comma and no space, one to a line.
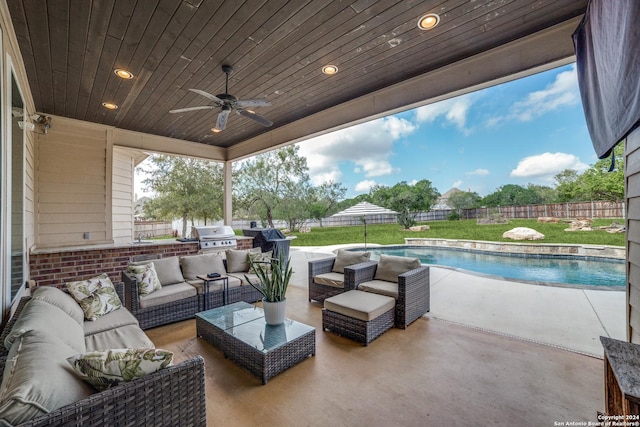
319,289
413,290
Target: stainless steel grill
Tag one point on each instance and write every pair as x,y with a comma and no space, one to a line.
212,237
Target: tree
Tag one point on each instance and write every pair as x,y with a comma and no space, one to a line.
596,183
268,180
325,199
511,195
408,200
464,200
185,188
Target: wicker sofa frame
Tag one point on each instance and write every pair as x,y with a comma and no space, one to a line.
414,290
162,314
318,291
174,396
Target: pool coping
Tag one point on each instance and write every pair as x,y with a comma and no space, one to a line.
541,254
595,251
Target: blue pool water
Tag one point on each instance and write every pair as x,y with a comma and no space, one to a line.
538,268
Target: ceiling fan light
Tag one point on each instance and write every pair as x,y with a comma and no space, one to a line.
216,130
123,74
428,21
330,69
110,105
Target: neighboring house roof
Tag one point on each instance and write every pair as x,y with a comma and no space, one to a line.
443,201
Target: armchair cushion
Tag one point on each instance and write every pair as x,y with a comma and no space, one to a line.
330,279
390,267
345,258
128,336
193,265
381,287
238,260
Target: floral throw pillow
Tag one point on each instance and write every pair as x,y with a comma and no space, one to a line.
146,277
104,369
264,260
97,296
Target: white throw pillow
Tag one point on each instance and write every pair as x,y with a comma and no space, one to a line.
97,296
146,277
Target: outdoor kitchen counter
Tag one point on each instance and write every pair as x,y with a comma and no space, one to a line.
143,244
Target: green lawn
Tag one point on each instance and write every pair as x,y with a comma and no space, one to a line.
390,234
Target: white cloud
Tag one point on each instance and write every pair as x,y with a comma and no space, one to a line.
413,182
454,111
547,165
368,145
562,92
364,186
479,172
457,184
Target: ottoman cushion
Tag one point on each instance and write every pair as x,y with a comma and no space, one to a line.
360,305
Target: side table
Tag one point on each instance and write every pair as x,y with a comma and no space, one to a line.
208,280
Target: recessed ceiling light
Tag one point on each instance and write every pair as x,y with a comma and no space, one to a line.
123,74
428,21
109,105
330,69
216,130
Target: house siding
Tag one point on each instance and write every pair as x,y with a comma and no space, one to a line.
632,192
122,196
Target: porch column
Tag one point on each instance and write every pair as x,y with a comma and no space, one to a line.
227,203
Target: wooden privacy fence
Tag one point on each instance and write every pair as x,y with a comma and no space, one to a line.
147,229
558,210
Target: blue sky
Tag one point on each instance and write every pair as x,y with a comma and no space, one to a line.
524,131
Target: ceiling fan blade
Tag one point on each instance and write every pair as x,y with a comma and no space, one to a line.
221,123
253,116
208,95
253,103
183,110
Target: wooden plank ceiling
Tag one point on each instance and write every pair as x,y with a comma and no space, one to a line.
277,48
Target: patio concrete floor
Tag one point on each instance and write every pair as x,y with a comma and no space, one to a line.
475,359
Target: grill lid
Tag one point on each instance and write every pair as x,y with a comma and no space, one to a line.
215,232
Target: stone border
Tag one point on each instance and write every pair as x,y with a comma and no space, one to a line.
595,251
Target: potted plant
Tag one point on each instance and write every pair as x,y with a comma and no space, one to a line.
273,275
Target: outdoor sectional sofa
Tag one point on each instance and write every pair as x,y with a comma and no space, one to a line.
181,294
40,388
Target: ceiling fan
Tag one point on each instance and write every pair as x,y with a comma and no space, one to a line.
229,103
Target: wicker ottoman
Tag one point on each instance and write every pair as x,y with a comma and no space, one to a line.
361,316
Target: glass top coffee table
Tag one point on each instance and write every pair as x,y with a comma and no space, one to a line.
241,333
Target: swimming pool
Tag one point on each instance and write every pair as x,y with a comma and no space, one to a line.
562,269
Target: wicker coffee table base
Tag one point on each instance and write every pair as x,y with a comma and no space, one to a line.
356,329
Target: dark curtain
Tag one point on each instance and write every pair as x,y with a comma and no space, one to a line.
607,46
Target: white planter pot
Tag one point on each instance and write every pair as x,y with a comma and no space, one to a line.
274,312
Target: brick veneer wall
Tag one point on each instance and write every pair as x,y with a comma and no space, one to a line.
55,269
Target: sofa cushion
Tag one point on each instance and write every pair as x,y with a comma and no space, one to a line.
60,299
238,260
146,278
390,267
381,287
216,286
38,379
97,296
168,270
346,258
115,319
127,336
104,369
194,265
39,315
243,278
330,279
168,294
